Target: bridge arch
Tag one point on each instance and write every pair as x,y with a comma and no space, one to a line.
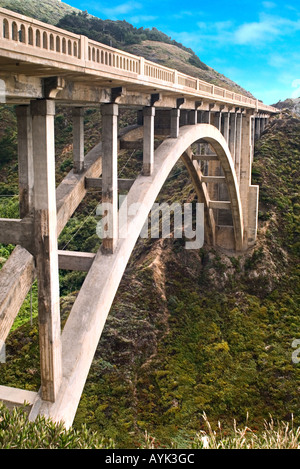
87,318
167,155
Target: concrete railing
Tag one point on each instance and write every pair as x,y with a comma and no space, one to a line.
33,38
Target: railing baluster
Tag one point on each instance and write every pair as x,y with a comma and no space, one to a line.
77,49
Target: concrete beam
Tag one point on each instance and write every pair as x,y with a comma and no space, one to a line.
16,277
73,260
214,179
17,231
96,183
220,204
205,157
13,397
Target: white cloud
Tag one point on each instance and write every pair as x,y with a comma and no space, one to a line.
114,12
141,19
253,32
269,5
277,61
267,29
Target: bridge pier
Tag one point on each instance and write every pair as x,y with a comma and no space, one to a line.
25,159
78,139
175,117
232,134
110,114
238,144
148,142
248,192
257,128
46,252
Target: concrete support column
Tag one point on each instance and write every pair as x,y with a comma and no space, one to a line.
148,143
226,116
205,117
238,144
25,159
218,120
183,119
110,114
175,117
257,128
252,131
46,255
232,134
248,193
192,117
78,139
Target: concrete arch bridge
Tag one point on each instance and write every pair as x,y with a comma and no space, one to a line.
211,128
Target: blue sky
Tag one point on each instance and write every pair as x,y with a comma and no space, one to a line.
255,43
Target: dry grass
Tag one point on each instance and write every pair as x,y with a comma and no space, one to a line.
280,435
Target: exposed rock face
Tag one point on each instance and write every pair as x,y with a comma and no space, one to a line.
292,105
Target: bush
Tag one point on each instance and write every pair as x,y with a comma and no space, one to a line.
17,432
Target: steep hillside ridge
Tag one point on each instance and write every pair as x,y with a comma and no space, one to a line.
290,104
49,11
182,60
189,331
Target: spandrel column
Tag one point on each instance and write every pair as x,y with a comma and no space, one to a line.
110,114
25,159
78,139
148,142
46,255
175,116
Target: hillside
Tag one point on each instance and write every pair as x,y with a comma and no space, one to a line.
290,104
189,332
217,335
49,11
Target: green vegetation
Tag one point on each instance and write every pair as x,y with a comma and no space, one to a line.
119,34
216,338
48,11
190,333
16,432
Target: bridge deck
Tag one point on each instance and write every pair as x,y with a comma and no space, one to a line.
32,48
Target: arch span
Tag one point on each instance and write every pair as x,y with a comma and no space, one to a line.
87,318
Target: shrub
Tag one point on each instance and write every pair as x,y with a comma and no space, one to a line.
17,432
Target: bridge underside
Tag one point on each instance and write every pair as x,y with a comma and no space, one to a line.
229,223
211,129
199,146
